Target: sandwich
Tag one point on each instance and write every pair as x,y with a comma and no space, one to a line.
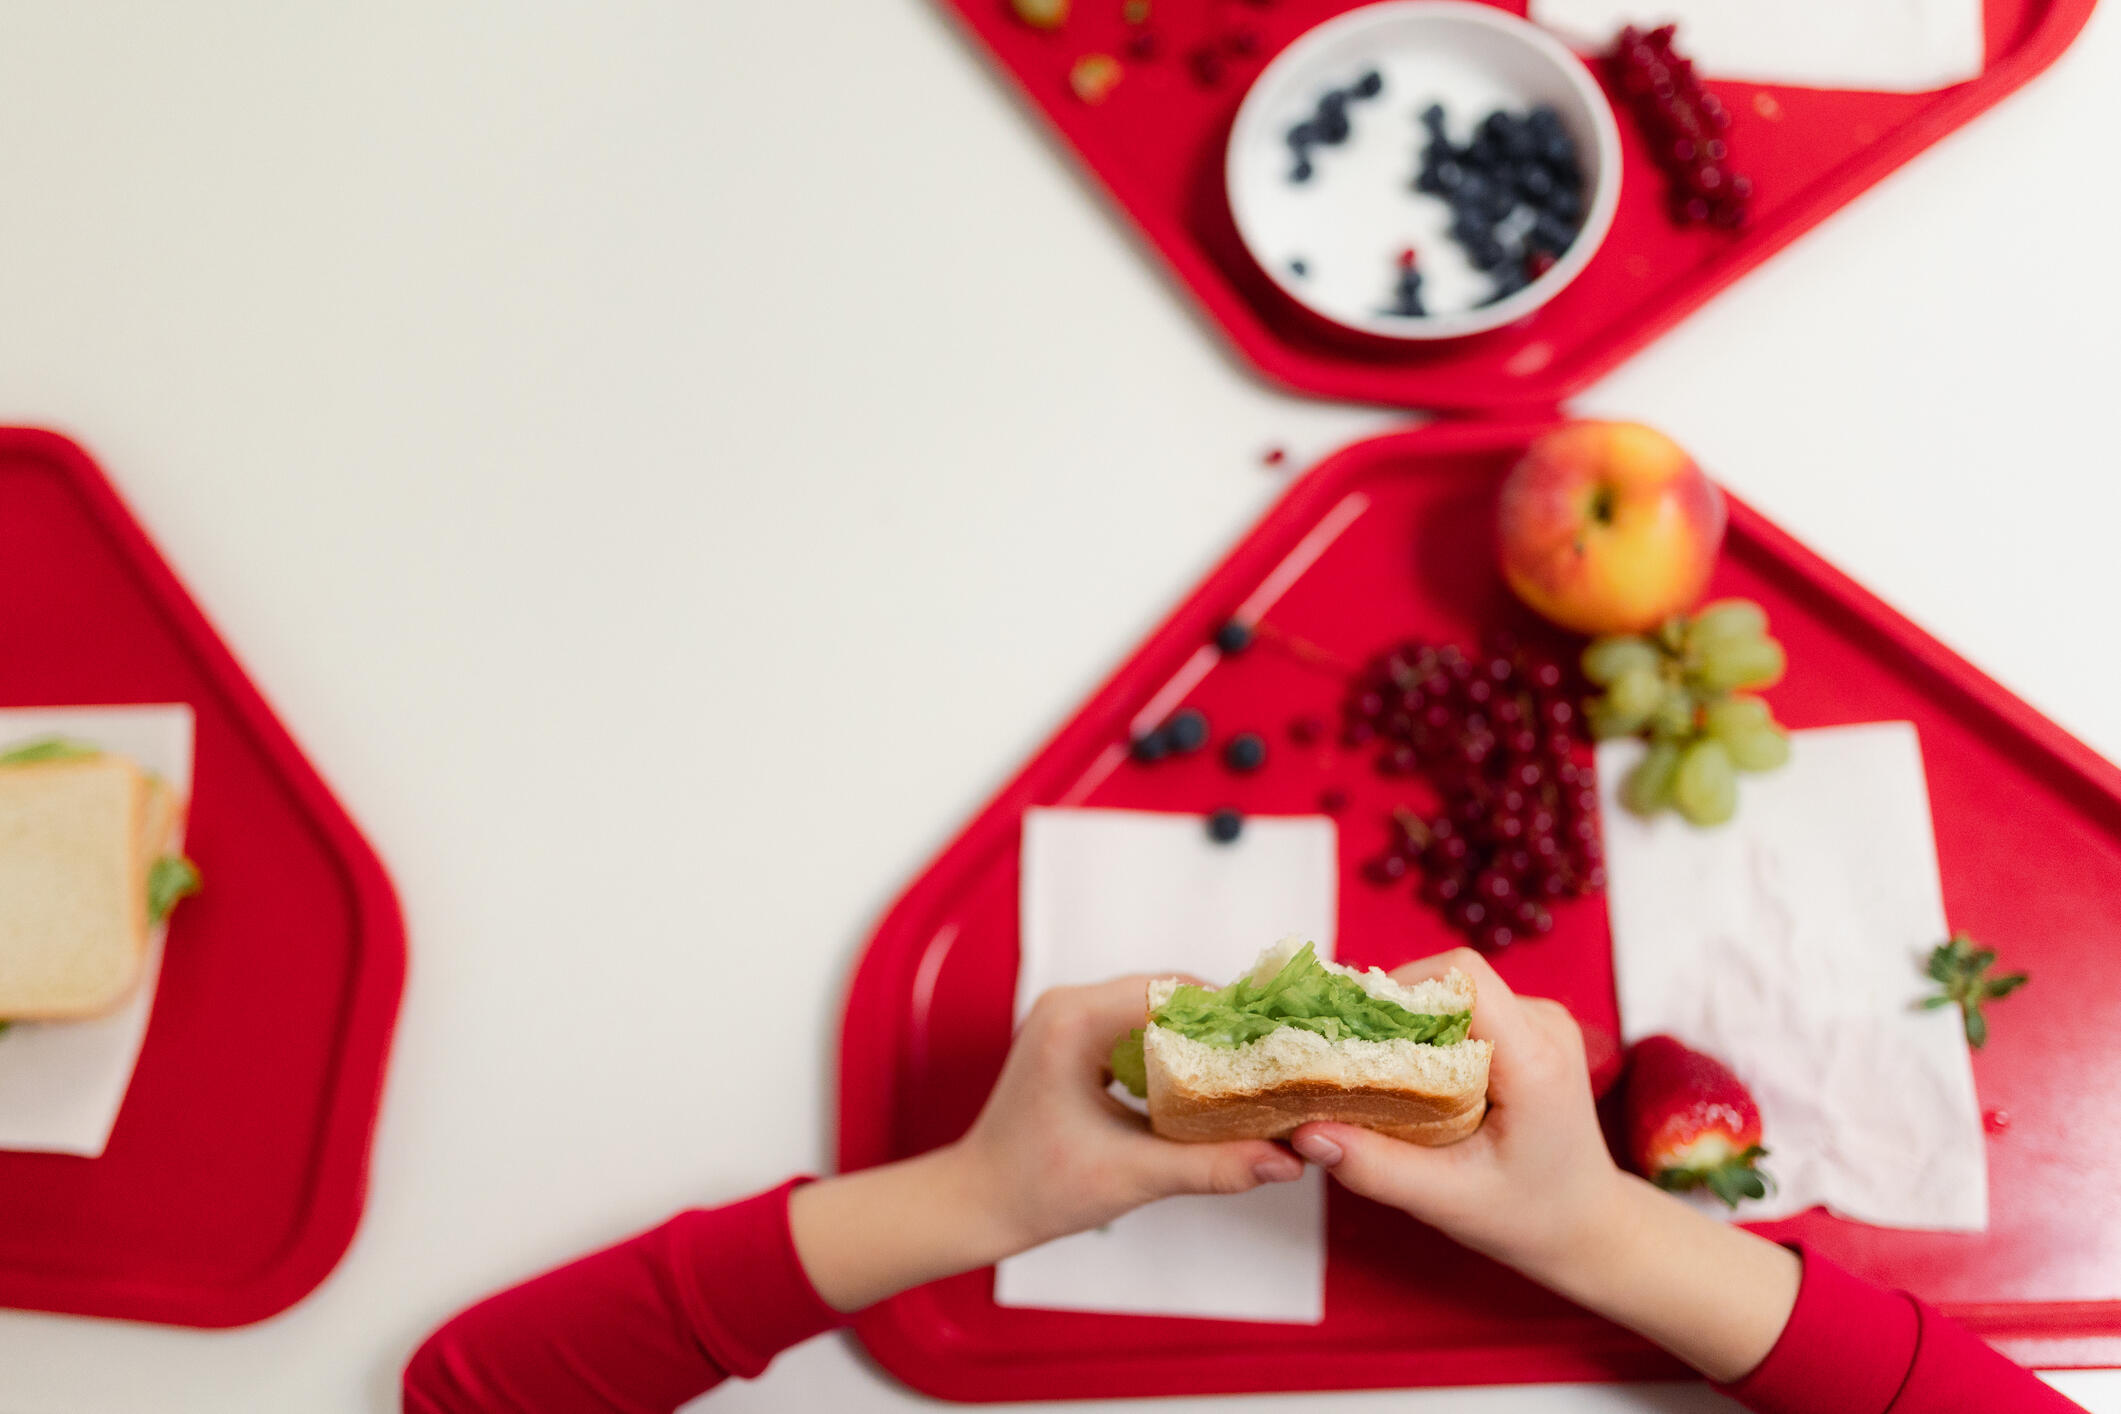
1299,1039
86,873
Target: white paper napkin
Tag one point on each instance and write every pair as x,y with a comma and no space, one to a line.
1790,943
1107,892
61,1083
1886,46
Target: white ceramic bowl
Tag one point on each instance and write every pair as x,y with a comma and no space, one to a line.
1346,224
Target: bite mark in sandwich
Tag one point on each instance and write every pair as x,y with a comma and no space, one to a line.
1300,1039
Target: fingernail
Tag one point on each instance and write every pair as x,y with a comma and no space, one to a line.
1277,1170
1319,1150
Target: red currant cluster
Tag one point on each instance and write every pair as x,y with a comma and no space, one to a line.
1498,738
1685,124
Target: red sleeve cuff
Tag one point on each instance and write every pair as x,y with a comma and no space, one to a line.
769,1305
1956,1369
1846,1349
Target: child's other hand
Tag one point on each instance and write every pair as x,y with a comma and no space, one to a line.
1536,1189
1052,1153
1535,1178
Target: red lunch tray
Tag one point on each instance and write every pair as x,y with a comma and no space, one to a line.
1157,145
236,1173
2028,829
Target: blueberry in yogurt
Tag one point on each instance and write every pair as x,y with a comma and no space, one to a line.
1329,124
1406,295
1515,190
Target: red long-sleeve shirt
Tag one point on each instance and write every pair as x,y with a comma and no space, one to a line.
642,1327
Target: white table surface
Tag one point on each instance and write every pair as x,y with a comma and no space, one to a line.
669,462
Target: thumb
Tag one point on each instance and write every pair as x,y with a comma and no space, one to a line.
1234,1167
1387,1170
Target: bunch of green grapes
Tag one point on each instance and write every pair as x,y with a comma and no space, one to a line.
1684,688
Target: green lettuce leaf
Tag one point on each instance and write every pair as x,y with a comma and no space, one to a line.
173,877
1304,993
48,748
1129,1066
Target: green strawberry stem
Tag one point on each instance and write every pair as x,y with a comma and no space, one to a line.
1960,967
1733,1181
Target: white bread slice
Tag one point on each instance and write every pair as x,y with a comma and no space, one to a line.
1420,1093
73,886
159,819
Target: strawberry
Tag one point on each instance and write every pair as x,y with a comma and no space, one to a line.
1690,1123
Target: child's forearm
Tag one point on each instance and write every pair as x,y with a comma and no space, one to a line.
864,1236
1713,1294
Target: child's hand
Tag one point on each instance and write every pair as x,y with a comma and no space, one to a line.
1536,1190
1535,1177
1052,1153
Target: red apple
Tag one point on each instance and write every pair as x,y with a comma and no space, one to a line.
1609,527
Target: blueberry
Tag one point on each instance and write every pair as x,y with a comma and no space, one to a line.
1233,637
1557,149
1469,231
1224,826
1502,145
1472,189
1551,234
1150,746
1565,205
1187,731
1507,283
1301,172
1501,202
1449,176
1485,254
1535,183
1299,269
1302,136
1246,752
1332,127
1333,101
1432,118
1543,120
1408,295
1369,85
1501,133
